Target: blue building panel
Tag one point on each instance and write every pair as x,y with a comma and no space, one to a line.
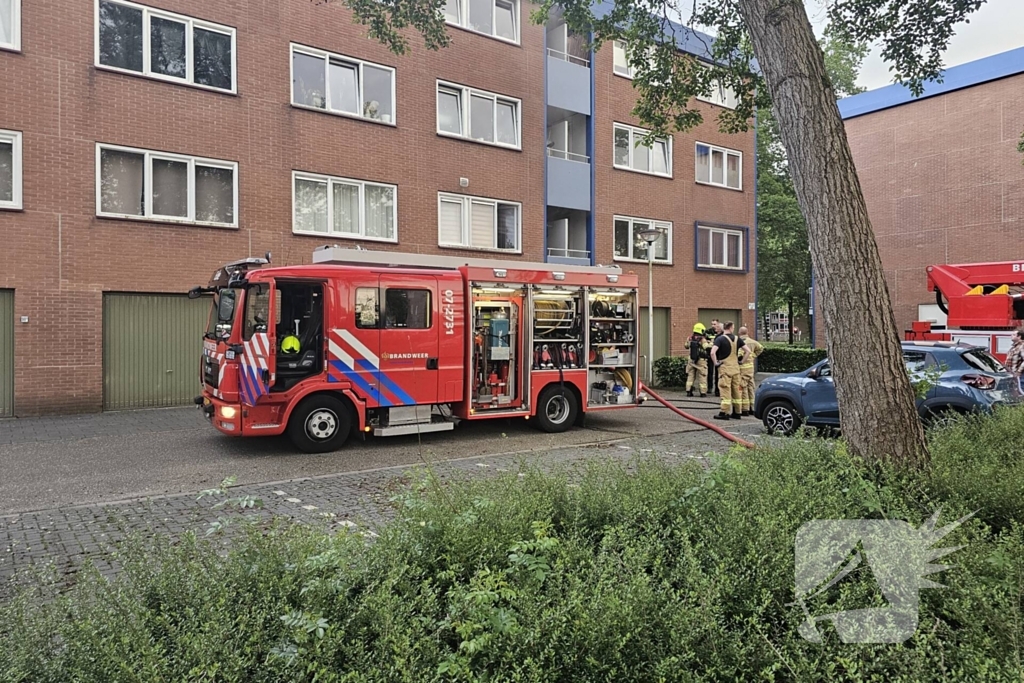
992,68
568,184
568,86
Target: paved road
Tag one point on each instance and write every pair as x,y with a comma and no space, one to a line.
56,462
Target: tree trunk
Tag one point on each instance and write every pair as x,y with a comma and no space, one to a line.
876,402
789,320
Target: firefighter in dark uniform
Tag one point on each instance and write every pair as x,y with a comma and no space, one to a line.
712,334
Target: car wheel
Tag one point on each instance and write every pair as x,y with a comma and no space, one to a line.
320,424
780,417
941,416
557,409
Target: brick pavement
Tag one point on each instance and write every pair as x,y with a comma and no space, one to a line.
63,539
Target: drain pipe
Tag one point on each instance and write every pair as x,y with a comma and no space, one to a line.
696,420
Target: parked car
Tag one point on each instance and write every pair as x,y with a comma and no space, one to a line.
970,380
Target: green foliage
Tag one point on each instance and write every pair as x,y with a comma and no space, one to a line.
670,371
781,358
641,573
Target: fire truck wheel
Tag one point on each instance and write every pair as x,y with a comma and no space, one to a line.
320,424
557,409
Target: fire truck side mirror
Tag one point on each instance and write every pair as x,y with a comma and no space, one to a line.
195,292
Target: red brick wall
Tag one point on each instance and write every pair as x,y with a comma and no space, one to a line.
679,199
60,258
943,183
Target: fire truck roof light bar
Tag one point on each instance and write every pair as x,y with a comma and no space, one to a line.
333,254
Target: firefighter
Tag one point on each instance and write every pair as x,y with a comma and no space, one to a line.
753,350
726,354
712,334
697,367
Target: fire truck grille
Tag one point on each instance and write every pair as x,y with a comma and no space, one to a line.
210,372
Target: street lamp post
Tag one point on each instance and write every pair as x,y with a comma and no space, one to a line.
650,236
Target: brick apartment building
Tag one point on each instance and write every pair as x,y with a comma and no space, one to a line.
141,147
941,175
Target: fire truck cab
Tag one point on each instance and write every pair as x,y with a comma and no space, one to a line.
388,344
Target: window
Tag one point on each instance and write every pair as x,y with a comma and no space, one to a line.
720,94
917,361
477,115
10,169
342,85
163,45
622,59
719,166
159,186
323,205
495,18
632,154
10,24
477,223
367,308
407,309
720,248
630,247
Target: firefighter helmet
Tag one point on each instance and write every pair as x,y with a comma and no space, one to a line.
290,344
699,328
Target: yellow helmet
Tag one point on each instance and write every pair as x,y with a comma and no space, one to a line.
290,344
699,328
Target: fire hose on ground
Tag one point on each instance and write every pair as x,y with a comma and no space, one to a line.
697,420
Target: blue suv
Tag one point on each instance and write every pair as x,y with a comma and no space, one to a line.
971,380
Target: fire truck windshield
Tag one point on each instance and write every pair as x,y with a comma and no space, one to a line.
223,314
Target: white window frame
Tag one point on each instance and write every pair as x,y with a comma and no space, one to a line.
463,22
358,63
662,225
467,202
725,151
635,133
721,95
15,44
191,23
619,46
725,232
147,204
362,184
466,93
13,137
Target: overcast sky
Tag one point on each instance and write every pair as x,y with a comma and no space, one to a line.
997,27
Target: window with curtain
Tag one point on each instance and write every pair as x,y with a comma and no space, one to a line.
718,166
180,188
10,24
632,153
342,85
477,115
720,248
343,207
495,18
10,169
629,246
478,223
121,27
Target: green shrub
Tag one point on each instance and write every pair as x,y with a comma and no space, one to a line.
670,371
783,358
648,573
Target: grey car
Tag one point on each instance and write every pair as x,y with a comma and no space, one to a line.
968,379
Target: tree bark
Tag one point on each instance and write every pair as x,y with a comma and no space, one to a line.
790,320
876,401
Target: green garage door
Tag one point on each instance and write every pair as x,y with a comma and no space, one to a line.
6,353
151,349
662,336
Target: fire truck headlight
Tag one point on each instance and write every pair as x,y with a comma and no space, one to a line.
228,412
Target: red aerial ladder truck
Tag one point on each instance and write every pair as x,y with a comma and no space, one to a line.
388,343
983,303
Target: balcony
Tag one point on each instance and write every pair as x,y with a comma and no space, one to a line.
567,237
568,69
568,166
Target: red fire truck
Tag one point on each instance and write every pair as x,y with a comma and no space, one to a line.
389,344
983,303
